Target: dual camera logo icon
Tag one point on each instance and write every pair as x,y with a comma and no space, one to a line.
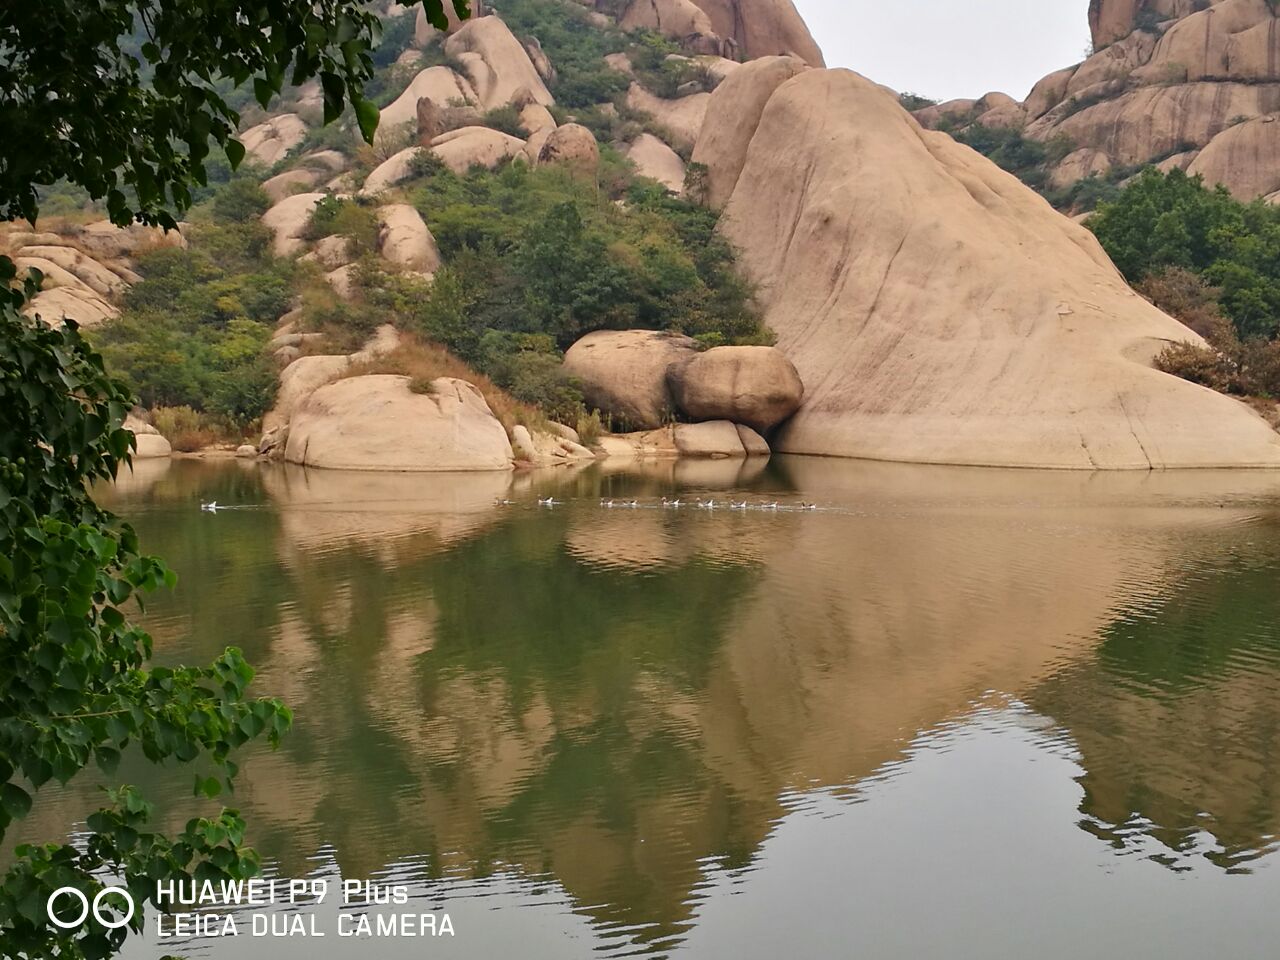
105,918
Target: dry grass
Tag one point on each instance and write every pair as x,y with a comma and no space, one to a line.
423,362
189,430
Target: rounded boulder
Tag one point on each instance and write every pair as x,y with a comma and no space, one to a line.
757,386
623,373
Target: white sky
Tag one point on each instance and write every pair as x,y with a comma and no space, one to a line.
946,49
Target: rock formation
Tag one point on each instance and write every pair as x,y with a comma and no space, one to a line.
763,28
624,373
654,159
937,310
271,140
440,85
755,386
404,239
287,221
573,145
379,423
1168,78
496,64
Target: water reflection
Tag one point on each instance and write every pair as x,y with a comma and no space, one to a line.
619,713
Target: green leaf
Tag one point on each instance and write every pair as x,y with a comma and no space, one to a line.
15,801
235,153
367,116
334,89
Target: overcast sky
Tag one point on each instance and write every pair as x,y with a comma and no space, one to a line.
950,48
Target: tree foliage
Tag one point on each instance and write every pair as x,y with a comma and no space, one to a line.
131,122
75,687
1172,220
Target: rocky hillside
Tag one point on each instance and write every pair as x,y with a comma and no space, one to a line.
1186,84
579,216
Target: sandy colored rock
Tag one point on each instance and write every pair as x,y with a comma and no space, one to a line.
535,117
1168,77
344,281
496,64
81,304
430,121
752,442
937,310
475,146
272,140
331,253
1155,121
763,28
148,444
104,241
247,451
675,19
288,220
54,275
757,386
440,85
538,57
1048,93
1245,157
378,423
1077,165
395,169
680,119
623,373
717,439
731,120
298,180
572,145
81,266
621,63
656,160
403,239
298,381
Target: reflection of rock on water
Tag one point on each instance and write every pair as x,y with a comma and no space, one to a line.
514,693
332,509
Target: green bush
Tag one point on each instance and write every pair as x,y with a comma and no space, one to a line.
194,332
1172,220
575,46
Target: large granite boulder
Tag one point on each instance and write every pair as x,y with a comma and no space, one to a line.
722,142
762,28
288,220
496,64
572,145
405,240
757,386
273,139
657,161
623,373
938,310
379,422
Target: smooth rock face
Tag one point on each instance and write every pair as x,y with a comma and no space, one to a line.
762,28
1170,76
757,386
378,423
298,180
1245,157
722,143
395,169
272,139
573,145
83,267
82,305
656,160
440,85
299,380
405,240
149,445
475,146
937,310
497,65
716,439
681,118
623,373
288,219
676,19
752,442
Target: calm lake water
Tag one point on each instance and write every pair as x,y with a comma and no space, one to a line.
949,714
